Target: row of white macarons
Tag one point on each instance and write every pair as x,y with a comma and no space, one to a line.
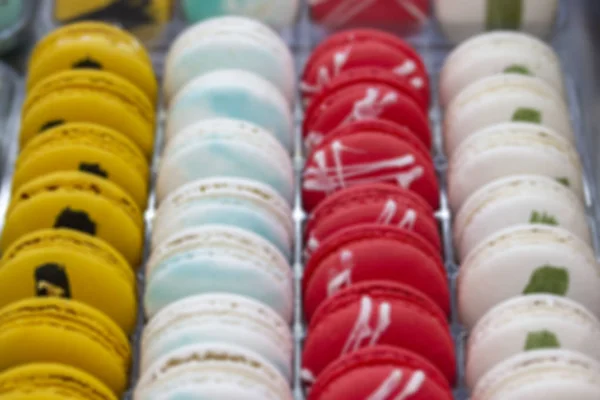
219,289
528,279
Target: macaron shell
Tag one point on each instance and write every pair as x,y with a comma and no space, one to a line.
92,51
42,156
495,53
381,372
367,157
53,270
504,98
515,200
225,148
65,332
89,96
256,269
339,54
374,253
364,94
373,313
235,94
511,149
550,322
374,203
76,200
527,259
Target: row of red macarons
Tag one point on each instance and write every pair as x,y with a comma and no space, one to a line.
375,291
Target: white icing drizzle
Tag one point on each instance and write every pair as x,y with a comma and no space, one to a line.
390,208
307,376
344,277
371,106
392,382
313,139
413,10
408,67
324,76
362,329
328,179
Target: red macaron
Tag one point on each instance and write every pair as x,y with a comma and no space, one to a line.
369,152
371,203
402,16
360,48
372,252
365,94
381,373
376,312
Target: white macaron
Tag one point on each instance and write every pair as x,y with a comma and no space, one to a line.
504,98
496,53
527,259
507,149
530,323
515,200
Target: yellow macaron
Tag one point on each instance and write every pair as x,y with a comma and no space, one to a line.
86,147
51,381
66,263
93,45
79,201
89,96
64,331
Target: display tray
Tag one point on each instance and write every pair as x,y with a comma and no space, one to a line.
433,49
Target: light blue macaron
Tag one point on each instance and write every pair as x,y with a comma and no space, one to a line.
230,43
278,13
226,148
242,203
218,258
233,94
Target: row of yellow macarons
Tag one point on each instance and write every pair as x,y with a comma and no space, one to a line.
74,229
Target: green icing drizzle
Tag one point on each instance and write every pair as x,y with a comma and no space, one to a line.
517,69
527,115
542,218
541,340
548,279
564,181
504,14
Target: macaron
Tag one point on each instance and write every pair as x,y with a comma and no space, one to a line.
460,20
277,13
91,96
365,94
218,258
86,147
212,370
359,48
527,259
512,148
219,317
79,201
234,94
56,330
504,98
555,374
364,152
242,203
230,42
371,252
528,323
225,148
404,15
69,264
370,204
93,46
497,53
372,313
47,379
514,200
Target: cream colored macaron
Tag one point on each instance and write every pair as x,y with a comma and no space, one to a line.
496,53
527,259
504,98
515,200
507,149
530,323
